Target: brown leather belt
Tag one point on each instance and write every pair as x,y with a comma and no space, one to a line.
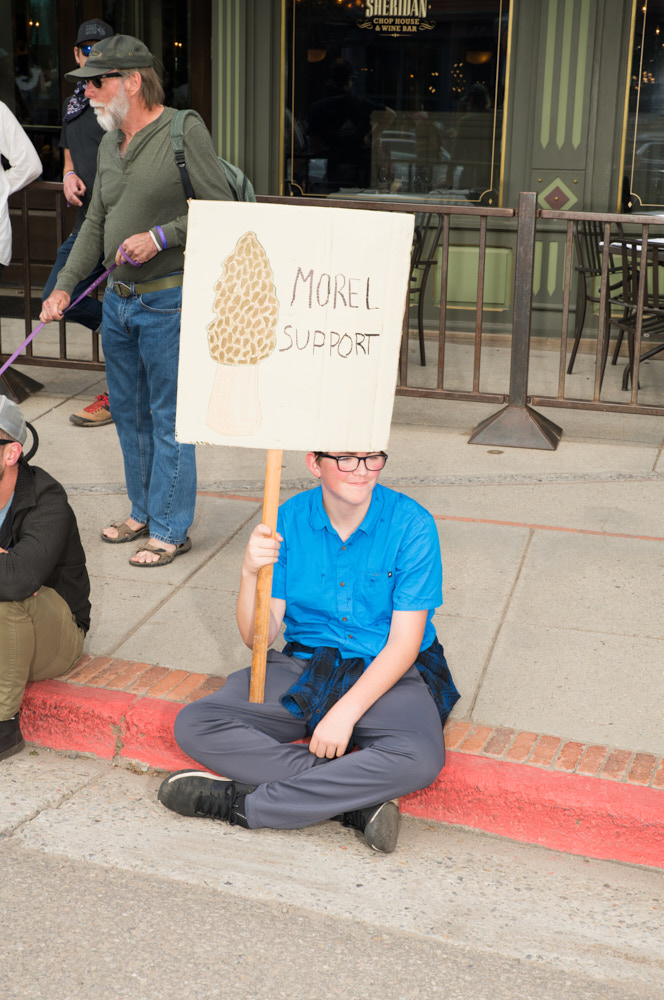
126,289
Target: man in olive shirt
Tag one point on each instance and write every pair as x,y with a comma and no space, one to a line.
138,216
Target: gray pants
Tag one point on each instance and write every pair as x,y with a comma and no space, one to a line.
400,741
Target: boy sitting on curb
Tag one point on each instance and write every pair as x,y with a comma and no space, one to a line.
357,578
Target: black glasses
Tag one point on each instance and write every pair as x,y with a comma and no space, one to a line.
4,441
96,80
349,463
85,50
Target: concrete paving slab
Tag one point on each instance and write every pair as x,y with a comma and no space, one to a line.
123,596
37,406
439,883
421,453
467,643
38,780
222,571
118,608
480,567
194,629
73,457
581,685
624,507
591,583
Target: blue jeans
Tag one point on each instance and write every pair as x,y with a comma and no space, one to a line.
89,311
141,341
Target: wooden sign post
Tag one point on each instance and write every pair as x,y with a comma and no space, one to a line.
264,591
291,327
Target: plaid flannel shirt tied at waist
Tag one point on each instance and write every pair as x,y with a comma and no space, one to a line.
328,677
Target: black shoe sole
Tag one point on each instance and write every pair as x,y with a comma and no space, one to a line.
10,751
382,830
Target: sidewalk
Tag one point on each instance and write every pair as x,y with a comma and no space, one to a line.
552,619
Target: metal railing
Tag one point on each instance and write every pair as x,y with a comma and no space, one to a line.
466,334
632,251
42,209
473,229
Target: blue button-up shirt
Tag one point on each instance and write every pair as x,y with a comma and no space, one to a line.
342,594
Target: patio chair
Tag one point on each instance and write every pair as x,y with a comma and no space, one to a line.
652,322
588,240
428,231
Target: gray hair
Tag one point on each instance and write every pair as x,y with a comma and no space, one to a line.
152,90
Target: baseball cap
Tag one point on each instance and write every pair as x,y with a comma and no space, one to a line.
93,31
12,421
117,52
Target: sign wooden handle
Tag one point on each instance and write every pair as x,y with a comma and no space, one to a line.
264,589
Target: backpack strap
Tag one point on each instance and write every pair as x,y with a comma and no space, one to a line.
177,142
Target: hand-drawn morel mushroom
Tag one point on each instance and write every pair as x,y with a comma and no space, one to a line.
241,334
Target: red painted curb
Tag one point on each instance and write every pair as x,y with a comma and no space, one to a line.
148,735
87,719
594,817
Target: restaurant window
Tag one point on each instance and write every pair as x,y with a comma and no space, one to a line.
36,50
643,183
402,98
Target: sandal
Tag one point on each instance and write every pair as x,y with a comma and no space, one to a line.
125,533
165,557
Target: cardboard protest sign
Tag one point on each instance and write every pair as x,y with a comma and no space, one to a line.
291,325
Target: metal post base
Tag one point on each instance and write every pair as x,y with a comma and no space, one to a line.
18,386
517,427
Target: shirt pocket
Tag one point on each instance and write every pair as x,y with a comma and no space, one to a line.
377,589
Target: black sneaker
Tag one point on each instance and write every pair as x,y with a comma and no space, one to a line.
11,740
379,824
199,793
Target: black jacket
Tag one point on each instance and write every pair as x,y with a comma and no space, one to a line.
44,547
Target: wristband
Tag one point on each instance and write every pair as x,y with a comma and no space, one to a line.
67,174
155,241
164,244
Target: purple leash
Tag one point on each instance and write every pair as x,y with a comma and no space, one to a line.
71,305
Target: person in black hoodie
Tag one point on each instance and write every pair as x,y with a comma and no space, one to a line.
44,584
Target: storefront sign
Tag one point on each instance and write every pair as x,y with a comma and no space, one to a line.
291,325
396,17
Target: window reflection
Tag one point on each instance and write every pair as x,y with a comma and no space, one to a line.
29,74
395,98
32,80
644,155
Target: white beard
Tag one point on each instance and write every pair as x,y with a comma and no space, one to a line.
111,116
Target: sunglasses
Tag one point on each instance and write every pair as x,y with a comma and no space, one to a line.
96,81
85,50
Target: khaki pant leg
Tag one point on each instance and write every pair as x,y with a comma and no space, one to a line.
39,639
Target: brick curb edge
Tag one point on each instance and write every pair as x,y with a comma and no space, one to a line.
576,813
